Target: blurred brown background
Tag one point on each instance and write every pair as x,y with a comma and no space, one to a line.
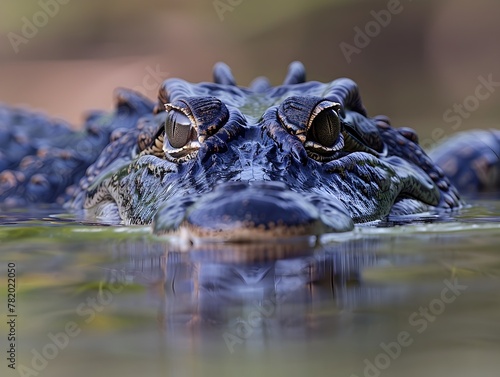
65,57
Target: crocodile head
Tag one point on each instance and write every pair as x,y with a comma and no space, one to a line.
259,162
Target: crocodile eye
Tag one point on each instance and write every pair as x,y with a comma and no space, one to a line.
316,124
324,132
178,129
181,136
325,128
177,134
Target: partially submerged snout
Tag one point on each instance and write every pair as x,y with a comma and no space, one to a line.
253,212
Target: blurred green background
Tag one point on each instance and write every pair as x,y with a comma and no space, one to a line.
426,58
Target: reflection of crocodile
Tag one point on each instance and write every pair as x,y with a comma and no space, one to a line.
245,293
219,159
262,295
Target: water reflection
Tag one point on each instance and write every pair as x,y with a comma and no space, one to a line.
147,307
253,293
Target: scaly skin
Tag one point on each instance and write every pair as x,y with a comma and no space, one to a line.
42,160
220,160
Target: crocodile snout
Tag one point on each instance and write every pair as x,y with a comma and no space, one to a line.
253,212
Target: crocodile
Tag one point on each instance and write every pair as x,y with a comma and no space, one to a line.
215,160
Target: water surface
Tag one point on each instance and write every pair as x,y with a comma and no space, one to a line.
420,299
